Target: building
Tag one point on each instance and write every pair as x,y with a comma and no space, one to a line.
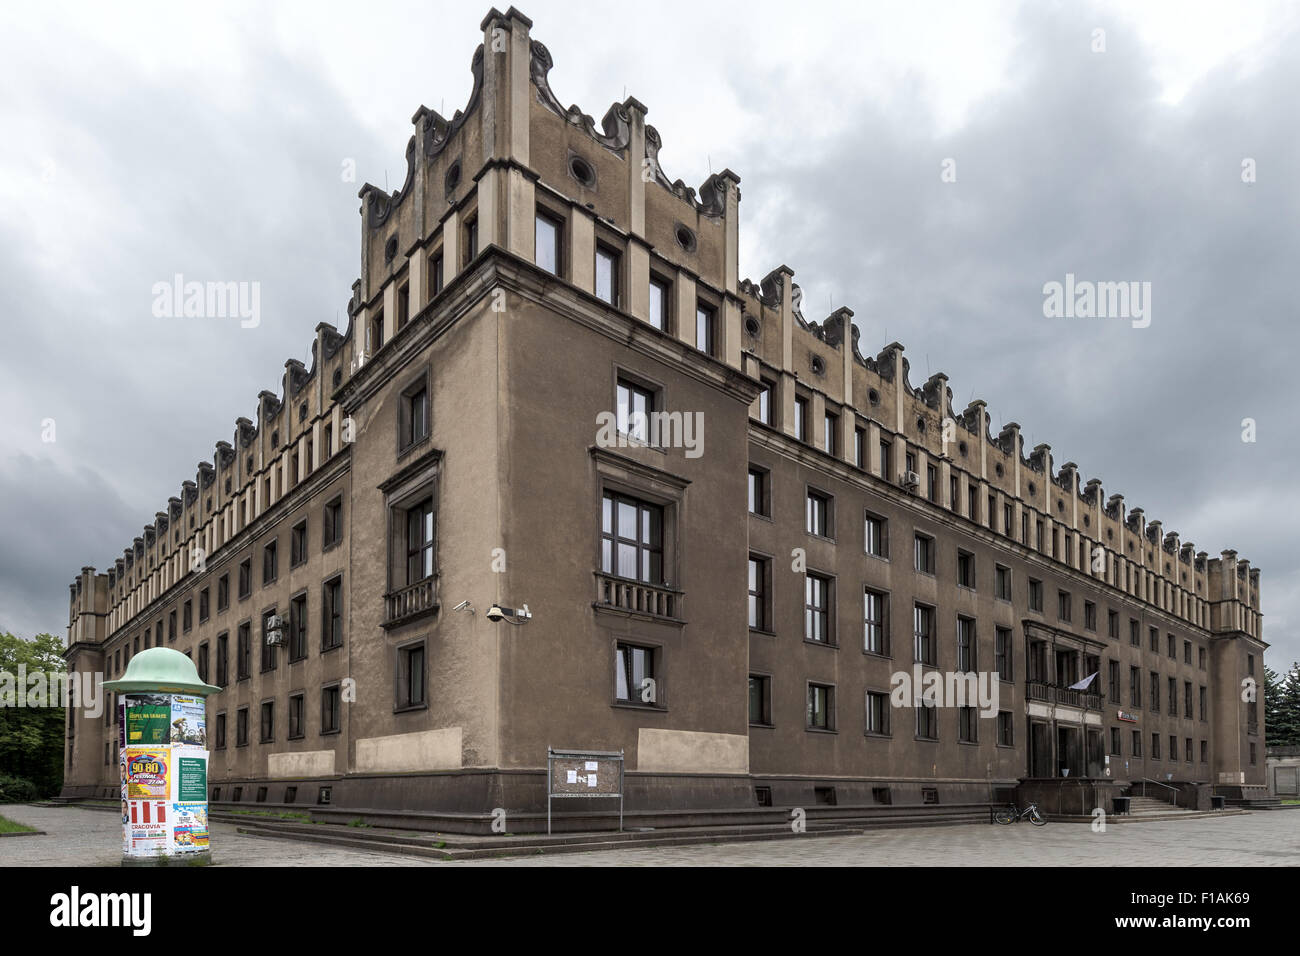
722,588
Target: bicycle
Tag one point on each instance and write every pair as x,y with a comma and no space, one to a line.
1011,814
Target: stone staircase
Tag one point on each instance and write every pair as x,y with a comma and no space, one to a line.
1149,809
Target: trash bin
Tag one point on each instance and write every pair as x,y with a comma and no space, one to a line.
1216,802
1121,804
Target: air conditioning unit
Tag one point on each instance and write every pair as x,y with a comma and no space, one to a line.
274,638
911,480
274,622
274,631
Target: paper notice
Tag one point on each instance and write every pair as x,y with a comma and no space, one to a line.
591,779
573,776
591,765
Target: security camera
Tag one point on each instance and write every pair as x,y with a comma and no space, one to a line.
509,614
494,613
464,606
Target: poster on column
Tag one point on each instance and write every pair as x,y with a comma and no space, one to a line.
145,786
148,719
189,808
189,722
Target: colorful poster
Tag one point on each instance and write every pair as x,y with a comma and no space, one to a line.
191,776
146,772
189,827
148,720
145,830
189,722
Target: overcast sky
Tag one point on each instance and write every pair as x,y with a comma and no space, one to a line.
145,140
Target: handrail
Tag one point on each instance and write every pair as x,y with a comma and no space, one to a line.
1173,800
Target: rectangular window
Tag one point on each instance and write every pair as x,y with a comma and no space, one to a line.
875,541
329,709
1134,632
1135,686
760,696
1006,729
435,276
269,564
704,328
298,628
332,523
967,725
1063,605
1114,742
1112,625
817,608
1155,746
171,620
631,539
819,514
1187,652
966,645
765,403
419,541
546,239
758,493
1153,635
1089,616
660,296
1172,644
187,616
1155,693
296,709
403,306
923,554
965,569
1035,595
830,440
223,600
801,418
954,493
268,721
244,652
821,707
471,239
221,732
607,276
298,544
885,464
877,713
635,405
1002,582
203,661
759,615
1200,658
245,578
414,415
1205,714
1112,675
332,615
932,483
923,634
859,448
927,721
1187,700
1002,652
1136,743
1008,520
269,651
1205,751
634,674
411,692
241,727
875,622
223,656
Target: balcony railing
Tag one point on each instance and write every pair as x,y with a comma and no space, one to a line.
1052,694
638,597
410,602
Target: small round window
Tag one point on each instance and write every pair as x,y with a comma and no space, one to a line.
582,171
390,249
452,179
752,327
961,447
685,237
873,396
818,365
998,470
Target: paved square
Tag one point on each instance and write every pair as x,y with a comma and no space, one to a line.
81,837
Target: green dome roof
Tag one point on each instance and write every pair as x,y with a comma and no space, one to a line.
161,670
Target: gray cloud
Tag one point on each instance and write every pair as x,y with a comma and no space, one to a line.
1074,164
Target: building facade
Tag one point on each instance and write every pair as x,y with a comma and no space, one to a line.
732,528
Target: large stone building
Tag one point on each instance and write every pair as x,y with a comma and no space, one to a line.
725,601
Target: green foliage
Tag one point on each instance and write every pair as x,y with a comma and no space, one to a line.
17,789
31,739
1282,707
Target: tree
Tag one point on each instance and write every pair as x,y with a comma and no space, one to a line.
32,738
1286,713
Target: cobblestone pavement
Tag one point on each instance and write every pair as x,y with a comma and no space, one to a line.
1256,839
